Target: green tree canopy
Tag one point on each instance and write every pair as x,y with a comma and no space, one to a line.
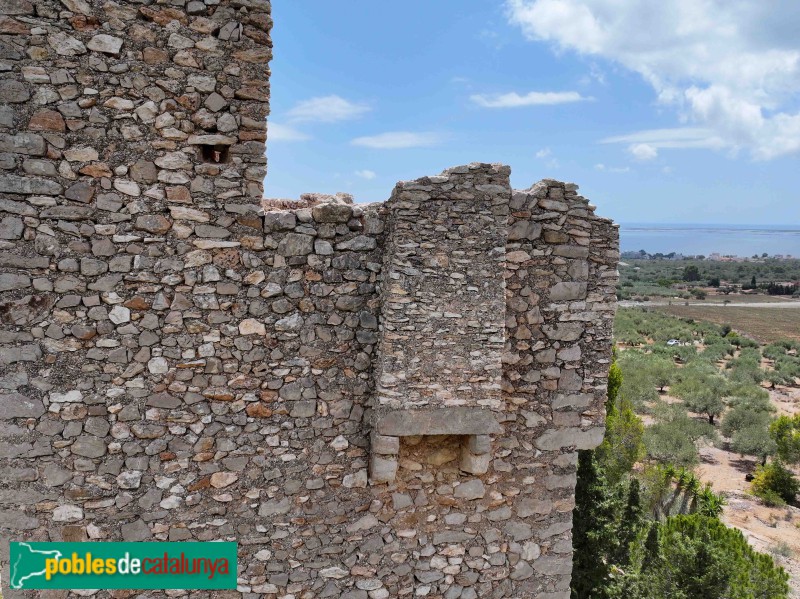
699,557
747,423
775,483
702,392
673,438
691,273
785,430
594,529
622,446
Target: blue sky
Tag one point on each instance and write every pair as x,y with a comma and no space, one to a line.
676,111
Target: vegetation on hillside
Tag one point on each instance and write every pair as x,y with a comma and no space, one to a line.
657,278
644,524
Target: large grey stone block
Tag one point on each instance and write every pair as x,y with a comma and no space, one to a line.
382,469
446,421
16,405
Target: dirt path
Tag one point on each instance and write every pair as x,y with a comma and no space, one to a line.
770,530
787,400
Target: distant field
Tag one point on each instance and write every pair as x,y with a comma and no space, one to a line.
763,324
736,298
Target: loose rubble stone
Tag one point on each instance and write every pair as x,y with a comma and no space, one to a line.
89,447
294,244
67,513
105,43
29,185
136,531
15,405
65,45
220,480
470,490
14,91
153,223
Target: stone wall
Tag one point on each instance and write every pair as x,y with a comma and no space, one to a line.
373,401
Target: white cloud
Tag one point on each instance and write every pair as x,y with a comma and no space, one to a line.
644,145
545,154
730,67
643,152
393,140
681,137
278,132
514,100
366,174
327,109
612,169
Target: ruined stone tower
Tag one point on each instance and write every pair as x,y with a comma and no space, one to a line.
374,401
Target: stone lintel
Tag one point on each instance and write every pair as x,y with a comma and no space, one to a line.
445,421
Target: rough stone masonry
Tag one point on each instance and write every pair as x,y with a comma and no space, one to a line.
374,401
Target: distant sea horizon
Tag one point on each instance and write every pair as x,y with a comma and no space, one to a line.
705,239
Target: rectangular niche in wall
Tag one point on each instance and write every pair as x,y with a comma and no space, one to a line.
472,426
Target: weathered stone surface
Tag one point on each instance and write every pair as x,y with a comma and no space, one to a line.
251,326
47,120
65,45
10,281
332,213
69,213
274,507
474,464
55,476
144,171
13,92
136,531
163,400
552,565
16,405
11,228
81,154
521,571
385,445
17,520
568,291
23,143
67,513
220,480
295,244
563,332
451,421
570,437
28,185
469,490
279,221
382,469
82,191
153,223
105,43
210,140
88,447
524,229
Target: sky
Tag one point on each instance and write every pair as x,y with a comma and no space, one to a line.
662,111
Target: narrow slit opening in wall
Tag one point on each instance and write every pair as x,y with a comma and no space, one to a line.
215,154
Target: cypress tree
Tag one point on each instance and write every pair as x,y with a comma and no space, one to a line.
594,536
630,525
651,549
